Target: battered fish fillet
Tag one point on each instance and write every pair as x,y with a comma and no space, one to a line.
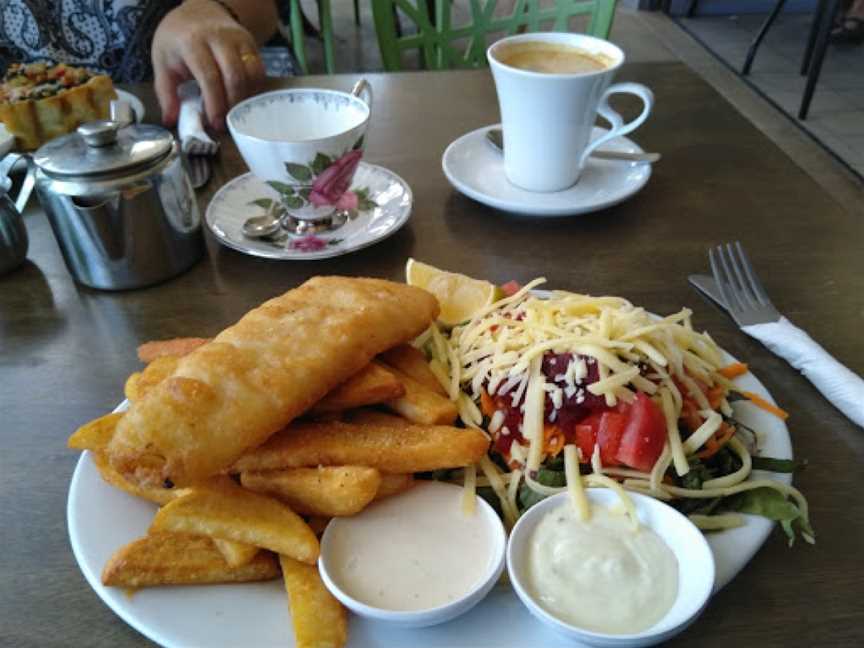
232,393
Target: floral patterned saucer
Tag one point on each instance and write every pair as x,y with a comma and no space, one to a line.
383,206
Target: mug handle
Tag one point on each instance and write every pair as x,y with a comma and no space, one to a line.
363,89
617,122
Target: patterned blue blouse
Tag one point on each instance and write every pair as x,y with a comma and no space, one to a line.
110,36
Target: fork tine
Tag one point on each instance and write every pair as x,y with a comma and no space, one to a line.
753,278
746,294
722,282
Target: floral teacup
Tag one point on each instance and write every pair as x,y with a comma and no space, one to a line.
306,144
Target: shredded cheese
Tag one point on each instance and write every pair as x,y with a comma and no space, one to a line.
574,483
703,432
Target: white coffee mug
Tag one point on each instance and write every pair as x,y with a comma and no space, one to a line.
547,118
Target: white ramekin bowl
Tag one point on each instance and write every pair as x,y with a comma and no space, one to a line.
695,568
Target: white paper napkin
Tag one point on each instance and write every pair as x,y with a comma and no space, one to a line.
194,140
842,388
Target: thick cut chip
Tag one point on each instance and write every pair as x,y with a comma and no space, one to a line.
255,377
235,553
181,559
325,490
374,384
158,494
413,363
319,619
392,484
368,416
233,513
95,435
177,347
422,405
407,449
140,383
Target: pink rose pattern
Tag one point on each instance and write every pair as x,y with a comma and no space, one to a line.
331,186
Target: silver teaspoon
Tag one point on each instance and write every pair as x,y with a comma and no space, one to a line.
495,137
261,226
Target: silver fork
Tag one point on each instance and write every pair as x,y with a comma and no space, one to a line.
737,288
199,168
745,297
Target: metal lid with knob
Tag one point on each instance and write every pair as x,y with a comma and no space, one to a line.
104,148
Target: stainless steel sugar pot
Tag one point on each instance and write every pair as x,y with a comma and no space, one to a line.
120,204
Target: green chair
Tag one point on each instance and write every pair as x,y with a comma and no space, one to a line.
437,39
298,44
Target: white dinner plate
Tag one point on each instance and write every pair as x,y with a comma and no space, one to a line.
476,169
102,519
390,208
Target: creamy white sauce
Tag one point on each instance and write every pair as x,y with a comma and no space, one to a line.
601,575
416,551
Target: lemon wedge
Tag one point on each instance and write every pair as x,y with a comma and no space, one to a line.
460,297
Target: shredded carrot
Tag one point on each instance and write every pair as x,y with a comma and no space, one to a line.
717,441
553,440
758,401
733,370
715,395
487,405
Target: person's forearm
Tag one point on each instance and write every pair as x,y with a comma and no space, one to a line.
260,17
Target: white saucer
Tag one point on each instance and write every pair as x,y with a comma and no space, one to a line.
232,205
476,169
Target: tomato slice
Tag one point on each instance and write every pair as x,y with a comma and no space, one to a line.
586,436
510,288
643,437
609,437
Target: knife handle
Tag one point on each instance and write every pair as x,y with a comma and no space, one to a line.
843,388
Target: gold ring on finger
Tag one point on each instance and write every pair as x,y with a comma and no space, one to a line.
249,57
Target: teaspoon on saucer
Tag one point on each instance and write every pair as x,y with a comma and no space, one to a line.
495,137
261,226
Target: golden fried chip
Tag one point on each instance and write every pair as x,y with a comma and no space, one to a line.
178,347
413,363
407,449
374,384
319,619
422,405
367,416
393,484
180,559
151,493
233,513
235,553
96,434
325,490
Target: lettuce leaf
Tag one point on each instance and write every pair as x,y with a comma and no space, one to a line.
770,504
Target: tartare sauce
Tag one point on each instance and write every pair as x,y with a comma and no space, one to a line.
601,575
417,551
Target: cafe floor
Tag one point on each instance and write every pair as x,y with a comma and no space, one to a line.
836,116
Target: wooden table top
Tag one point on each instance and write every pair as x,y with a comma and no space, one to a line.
66,350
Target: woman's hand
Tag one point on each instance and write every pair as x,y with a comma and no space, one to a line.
200,40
